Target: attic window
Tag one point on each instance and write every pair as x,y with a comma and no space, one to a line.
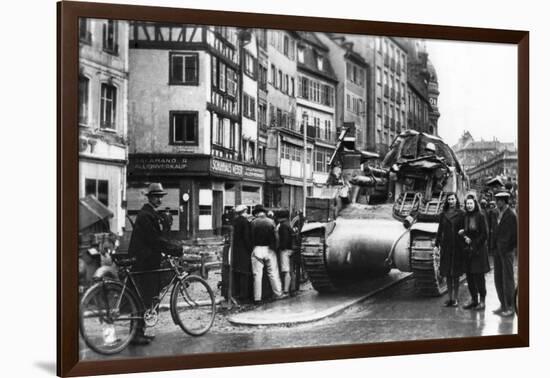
300,54
319,62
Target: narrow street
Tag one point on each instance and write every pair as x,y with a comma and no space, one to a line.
393,314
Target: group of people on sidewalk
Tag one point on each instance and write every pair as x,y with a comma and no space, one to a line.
465,238
258,242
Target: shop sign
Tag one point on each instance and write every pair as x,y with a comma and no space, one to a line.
159,163
238,170
254,173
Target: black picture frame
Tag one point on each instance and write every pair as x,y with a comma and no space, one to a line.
68,363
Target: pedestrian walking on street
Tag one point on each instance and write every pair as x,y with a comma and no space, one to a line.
264,242
475,248
505,244
285,249
146,244
240,258
452,259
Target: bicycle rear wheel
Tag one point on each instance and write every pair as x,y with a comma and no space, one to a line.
193,305
108,317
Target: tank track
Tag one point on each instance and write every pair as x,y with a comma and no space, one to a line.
313,260
425,266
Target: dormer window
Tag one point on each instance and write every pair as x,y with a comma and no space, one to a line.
319,63
300,54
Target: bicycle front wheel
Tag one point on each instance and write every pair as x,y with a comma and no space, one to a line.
193,305
108,317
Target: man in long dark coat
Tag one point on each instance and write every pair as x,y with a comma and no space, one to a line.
146,244
240,261
505,244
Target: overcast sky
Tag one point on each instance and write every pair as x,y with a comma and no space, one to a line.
478,85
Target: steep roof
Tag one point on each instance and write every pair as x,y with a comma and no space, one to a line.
313,50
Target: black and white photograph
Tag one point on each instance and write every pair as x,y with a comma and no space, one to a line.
213,188
246,189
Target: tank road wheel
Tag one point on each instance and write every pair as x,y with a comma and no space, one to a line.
425,266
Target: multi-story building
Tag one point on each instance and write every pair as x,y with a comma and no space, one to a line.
503,165
102,114
284,136
386,90
423,88
472,153
188,126
351,70
316,105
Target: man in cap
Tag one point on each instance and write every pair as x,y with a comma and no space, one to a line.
264,242
505,243
240,258
429,149
146,244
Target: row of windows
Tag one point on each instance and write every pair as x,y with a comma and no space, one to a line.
108,103
355,74
110,34
389,111
282,81
294,153
249,106
322,158
224,78
385,48
224,133
281,118
283,43
390,80
355,105
315,91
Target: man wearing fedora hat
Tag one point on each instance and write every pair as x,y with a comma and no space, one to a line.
146,244
505,244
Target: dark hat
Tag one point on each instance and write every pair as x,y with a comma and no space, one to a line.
155,189
258,209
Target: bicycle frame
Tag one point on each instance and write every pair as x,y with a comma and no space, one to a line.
180,273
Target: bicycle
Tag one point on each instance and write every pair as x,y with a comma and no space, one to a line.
111,310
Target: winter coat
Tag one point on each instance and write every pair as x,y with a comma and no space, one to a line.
452,259
147,241
477,258
285,235
242,245
506,233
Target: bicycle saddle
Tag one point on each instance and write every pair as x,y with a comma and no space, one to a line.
125,261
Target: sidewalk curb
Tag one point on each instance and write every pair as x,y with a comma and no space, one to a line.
319,315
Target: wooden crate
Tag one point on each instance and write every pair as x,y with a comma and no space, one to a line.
319,209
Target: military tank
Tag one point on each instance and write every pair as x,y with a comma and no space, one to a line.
368,220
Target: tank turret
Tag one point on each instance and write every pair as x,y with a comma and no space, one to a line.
369,219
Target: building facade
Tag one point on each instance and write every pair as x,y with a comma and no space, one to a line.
284,136
316,104
473,154
503,165
188,124
102,114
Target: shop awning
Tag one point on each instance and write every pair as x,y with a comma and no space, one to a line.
91,211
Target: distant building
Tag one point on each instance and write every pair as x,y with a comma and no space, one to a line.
472,153
102,114
503,165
